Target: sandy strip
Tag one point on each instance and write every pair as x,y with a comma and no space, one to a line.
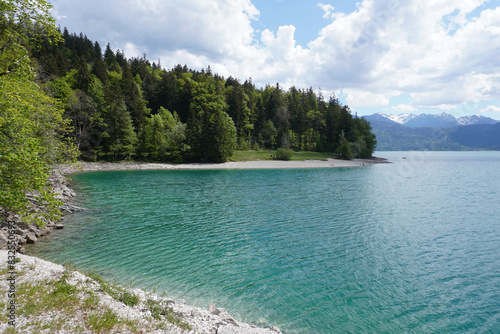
264,164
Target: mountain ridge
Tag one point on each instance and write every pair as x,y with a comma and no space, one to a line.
393,136
443,120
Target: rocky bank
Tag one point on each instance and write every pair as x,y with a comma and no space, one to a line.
51,298
28,233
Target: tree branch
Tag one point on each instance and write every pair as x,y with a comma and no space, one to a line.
13,67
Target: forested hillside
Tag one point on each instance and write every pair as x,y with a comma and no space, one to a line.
133,109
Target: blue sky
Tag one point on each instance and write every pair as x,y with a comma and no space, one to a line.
389,56
305,15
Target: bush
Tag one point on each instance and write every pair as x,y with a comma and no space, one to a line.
344,151
283,154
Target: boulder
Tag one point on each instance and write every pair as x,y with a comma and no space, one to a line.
3,240
44,231
31,238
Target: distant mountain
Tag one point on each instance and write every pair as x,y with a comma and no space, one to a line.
400,119
392,136
476,120
443,120
383,118
478,136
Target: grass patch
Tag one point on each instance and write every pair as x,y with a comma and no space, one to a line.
102,321
65,301
90,302
269,155
252,155
158,310
10,330
45,296
114,290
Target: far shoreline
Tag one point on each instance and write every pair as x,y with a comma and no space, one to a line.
80,166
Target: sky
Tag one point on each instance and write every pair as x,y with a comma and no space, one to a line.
387,56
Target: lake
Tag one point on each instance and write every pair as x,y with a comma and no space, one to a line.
412,246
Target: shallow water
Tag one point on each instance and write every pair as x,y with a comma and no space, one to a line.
412,246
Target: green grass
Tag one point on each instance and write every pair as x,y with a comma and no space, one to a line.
114,290
102,321
36,299
157,310
268,155
252,155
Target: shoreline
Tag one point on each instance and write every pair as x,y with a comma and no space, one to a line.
89,304
81,167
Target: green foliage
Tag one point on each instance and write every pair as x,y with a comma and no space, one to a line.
268,134
31,125
163,137
211,132
119,138
283,154
344,151
23,24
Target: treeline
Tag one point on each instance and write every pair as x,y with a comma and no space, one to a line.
133,109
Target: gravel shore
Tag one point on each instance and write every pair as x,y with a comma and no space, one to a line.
264,164
92,298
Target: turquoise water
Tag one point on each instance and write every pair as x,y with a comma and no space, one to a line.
408,247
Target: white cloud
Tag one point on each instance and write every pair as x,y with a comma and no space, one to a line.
442,107
405,47
404,108
490,109
211,28
357,98
432,50
329,11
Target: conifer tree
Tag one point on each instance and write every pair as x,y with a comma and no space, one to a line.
98,66
133,98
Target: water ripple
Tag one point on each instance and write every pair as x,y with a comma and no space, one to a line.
311,251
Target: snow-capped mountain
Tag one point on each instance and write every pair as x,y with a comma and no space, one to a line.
401,118
475,119
443,120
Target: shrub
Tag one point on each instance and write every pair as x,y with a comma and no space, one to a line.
344,151
283,154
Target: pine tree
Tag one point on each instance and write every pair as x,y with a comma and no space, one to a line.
98,66
133,98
